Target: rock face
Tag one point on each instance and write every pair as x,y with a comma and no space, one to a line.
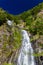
38,49
9,43
4,35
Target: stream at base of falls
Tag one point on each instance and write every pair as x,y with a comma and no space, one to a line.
26,53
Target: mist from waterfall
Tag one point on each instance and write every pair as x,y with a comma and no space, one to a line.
26,53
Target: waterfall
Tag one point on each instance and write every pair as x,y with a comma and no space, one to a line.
9,22
26,53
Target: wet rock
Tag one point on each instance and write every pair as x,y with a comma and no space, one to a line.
38,48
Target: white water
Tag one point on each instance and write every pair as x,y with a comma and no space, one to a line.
9,22
25,56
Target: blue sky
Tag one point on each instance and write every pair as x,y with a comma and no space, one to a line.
18,6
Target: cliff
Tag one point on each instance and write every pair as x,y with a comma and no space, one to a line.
10,36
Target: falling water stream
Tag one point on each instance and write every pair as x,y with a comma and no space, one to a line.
26,53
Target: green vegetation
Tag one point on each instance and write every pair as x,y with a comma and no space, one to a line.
33,19
10,41
10,37
34,22
4,16
7,63
38,54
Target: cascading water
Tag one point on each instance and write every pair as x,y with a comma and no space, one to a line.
9,22
26,57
